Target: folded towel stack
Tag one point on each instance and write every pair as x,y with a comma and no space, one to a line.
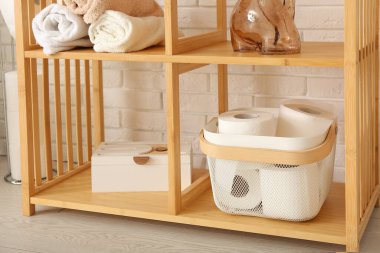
93,9
116,25
117,32
57,29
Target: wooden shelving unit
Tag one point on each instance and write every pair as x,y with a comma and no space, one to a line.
345,214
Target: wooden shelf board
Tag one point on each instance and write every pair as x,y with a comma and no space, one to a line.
152,54
320,54
75,193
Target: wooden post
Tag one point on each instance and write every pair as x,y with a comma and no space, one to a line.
25,106
97,82
69,130
223,88
351,59
173,132
377,65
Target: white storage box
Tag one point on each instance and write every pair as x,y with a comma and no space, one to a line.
287,185
136,167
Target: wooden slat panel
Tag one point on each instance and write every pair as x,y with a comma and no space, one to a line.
69,129
78,106
46,119
88,108
97,82
58,117
36,120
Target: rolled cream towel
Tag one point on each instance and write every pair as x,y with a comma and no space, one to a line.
93,9
117,32
57,29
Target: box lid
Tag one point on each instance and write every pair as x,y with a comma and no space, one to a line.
122,153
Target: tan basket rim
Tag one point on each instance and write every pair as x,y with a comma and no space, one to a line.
271,156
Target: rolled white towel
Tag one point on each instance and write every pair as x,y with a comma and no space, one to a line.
117,32
57,29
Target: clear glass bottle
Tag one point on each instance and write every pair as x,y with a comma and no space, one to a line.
266,26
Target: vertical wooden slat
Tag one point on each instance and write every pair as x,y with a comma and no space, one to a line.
36,119
371,94
42,4
173,132
31,14
223,88
24,91
97,83
88,108
374,70
171,26
46,119
363,104
78,105
377,94
351,59
222,15
58,117
360,103
69,129
368,104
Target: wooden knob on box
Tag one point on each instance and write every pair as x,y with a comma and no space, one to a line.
141,160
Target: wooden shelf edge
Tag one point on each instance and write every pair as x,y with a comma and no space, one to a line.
314,54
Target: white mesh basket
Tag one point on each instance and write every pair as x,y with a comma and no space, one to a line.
286,185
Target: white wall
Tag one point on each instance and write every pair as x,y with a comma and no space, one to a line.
135,92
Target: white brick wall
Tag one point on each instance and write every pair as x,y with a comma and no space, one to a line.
135,92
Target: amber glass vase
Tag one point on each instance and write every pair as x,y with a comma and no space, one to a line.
266,26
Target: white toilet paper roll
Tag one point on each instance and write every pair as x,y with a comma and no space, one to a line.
14,160
225,171
238,184
13,128
11,91
247,122
291,193
302,120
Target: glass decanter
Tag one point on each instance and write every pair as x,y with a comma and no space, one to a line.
266,26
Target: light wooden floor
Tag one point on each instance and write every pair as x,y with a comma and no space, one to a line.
59,230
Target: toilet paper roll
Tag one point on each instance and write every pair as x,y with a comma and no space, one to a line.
225,171
247,122
15,161
302,120
11,91
291,193
238,184
13,128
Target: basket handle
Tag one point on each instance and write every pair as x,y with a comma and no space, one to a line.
259,155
